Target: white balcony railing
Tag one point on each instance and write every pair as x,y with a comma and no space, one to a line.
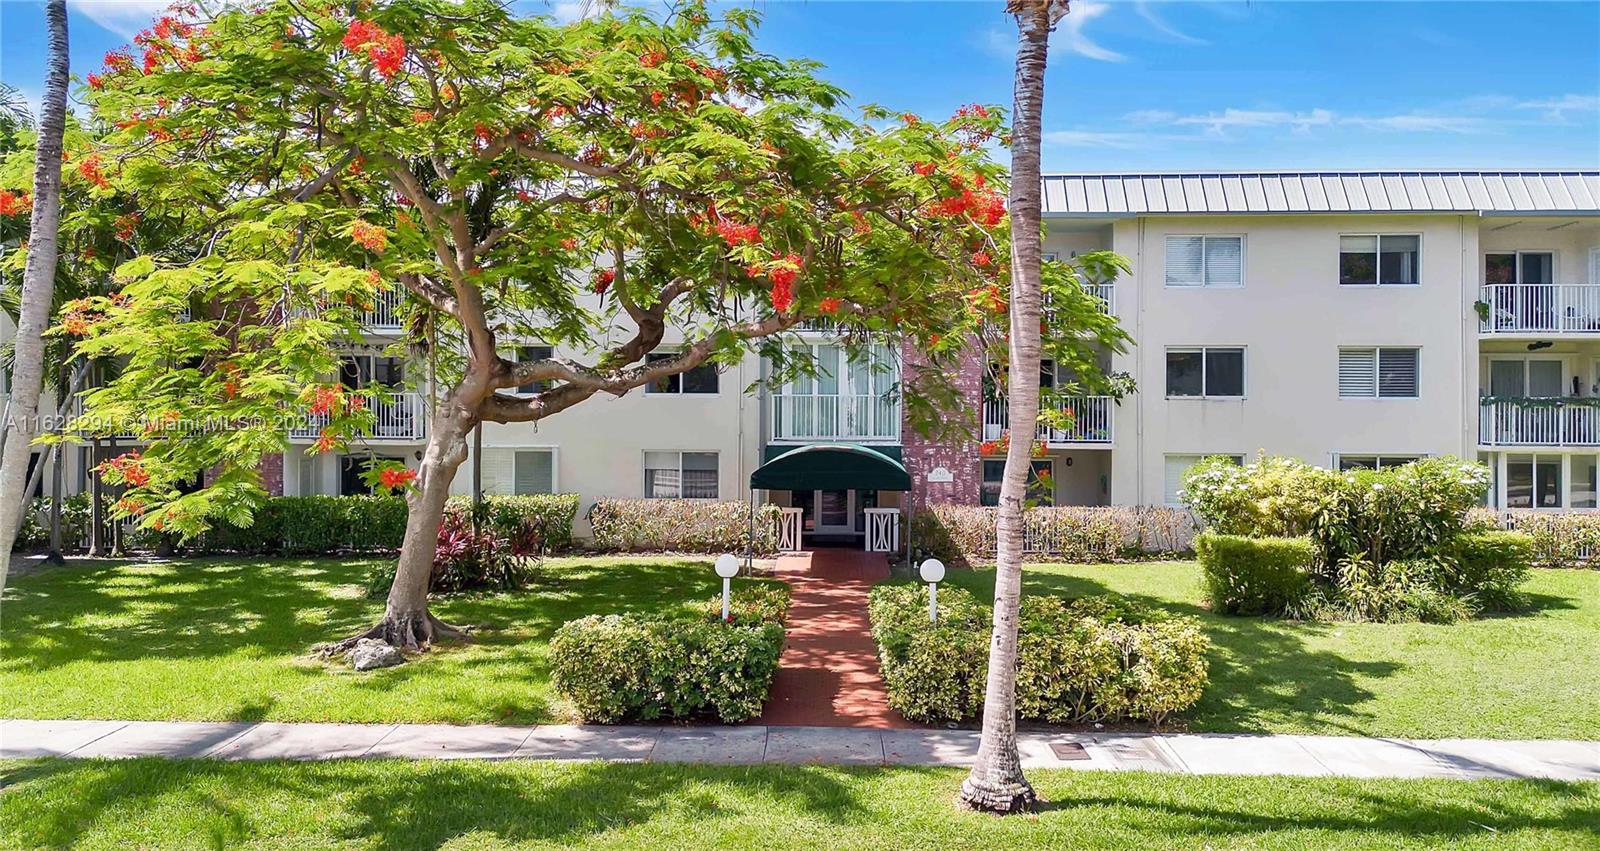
1541,309
819,416
1538,422
400,417
387,313
1090,415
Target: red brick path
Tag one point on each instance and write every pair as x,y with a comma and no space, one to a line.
828,676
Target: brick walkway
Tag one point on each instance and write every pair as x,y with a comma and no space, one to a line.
828,676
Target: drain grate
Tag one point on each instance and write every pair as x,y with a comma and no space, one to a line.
1068,751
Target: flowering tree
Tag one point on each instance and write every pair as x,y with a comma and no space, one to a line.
586,186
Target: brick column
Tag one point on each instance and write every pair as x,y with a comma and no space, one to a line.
960,457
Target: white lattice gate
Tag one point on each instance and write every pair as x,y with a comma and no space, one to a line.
789,530
883,530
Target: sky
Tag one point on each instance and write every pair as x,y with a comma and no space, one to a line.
1157,86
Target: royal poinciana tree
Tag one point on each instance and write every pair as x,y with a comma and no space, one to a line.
587,186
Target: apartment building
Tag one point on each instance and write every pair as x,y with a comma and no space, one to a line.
1345,318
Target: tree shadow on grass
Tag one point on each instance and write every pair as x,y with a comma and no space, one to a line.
393,804
202,612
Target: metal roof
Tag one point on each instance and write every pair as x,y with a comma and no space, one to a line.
1489,192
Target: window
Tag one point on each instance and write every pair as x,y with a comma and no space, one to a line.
1379,373
1205,261
533,471
701,379
1386,260
357,371
1040,482
1584,481
528,354
1533,481
1346,463
680,475
1205,371
1519,267
1176,467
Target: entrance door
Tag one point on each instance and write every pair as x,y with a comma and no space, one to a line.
835,510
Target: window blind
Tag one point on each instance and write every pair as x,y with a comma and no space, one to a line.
1397,373
1358,373
1185,261
534,472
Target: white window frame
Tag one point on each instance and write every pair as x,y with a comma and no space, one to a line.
555,465
1377,369
1033,464
1335,458
1244,372
1243,261
1555,265
644,477
664,353
516,355
1377,280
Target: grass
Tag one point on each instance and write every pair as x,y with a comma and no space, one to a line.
1532,675
226,639
480,805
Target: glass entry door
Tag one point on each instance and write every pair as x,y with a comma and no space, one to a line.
835,508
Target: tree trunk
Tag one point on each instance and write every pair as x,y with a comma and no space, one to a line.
407,623
58,487
38,285
996,783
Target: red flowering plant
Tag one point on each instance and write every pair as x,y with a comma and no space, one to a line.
458,148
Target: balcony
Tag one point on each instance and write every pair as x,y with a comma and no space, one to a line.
387,313
822,417
1090,415
1539,422
402,416
1540,309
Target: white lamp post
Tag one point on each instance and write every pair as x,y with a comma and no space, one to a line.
727,568
932,572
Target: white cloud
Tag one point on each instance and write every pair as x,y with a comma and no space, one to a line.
1146,11
1120,140
1070,38
123,17
1557,108
1218,123
1419,123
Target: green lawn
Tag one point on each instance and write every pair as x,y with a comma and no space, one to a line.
482,805
1533,675
224,639
219,639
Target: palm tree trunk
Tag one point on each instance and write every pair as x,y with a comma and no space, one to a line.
38,286
996,783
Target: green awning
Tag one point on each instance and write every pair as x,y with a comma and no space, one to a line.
832,466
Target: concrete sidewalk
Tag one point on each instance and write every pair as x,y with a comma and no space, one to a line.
1181,753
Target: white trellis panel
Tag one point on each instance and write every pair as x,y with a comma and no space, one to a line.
789,530
883,530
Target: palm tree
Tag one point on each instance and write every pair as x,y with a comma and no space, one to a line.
996,783
38,284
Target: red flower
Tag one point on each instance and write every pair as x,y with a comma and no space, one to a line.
369,236
602,281
14,203
326,441
829,305
569,243
96,81
89,169
736,234
118,60
909,118
981,258
385,52
782,293
652,59
396,477
924,168
125,224
326,400
421,116
974,110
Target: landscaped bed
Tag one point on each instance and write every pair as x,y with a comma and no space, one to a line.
475,804
217,639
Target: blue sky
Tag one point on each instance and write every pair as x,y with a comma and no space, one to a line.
1162,85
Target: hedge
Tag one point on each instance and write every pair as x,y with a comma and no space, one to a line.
1094,659
1564,539
965,534
1489,567
681,526
635,667
551,515
1254,576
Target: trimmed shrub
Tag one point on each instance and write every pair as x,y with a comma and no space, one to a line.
751,605
75,520
1490,566
681,526
549,517
1254,576
630,667
312,525
1090,659
965,534
499,556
